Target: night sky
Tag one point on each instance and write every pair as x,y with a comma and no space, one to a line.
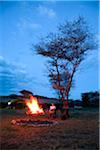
22,24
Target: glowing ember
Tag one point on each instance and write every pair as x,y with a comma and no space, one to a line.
33,106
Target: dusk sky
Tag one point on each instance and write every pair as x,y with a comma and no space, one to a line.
22,24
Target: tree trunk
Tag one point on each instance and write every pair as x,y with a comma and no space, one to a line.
70,81
65,111
61,93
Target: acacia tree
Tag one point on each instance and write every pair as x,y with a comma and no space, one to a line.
66,49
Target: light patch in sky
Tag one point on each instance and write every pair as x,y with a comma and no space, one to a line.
45,11
1,57
27,24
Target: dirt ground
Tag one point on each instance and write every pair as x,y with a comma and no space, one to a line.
79,132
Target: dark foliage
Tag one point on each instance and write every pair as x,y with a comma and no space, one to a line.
90,99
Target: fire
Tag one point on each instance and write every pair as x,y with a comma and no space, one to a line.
33,106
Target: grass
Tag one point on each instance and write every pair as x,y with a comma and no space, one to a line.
79,132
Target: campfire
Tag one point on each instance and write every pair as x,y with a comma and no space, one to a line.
33,107
34,110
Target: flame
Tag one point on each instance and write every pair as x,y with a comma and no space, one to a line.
33,106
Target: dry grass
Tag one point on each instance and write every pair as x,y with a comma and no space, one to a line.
80,132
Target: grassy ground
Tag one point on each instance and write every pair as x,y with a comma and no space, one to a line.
79,132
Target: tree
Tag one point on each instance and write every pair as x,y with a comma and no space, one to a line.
90,99
26,93
66,49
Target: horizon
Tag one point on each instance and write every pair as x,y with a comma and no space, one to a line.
47,96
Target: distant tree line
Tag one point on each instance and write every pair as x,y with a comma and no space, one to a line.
90,99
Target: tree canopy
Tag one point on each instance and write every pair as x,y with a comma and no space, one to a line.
65,50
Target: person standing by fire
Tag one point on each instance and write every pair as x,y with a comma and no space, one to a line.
52,111
65,110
